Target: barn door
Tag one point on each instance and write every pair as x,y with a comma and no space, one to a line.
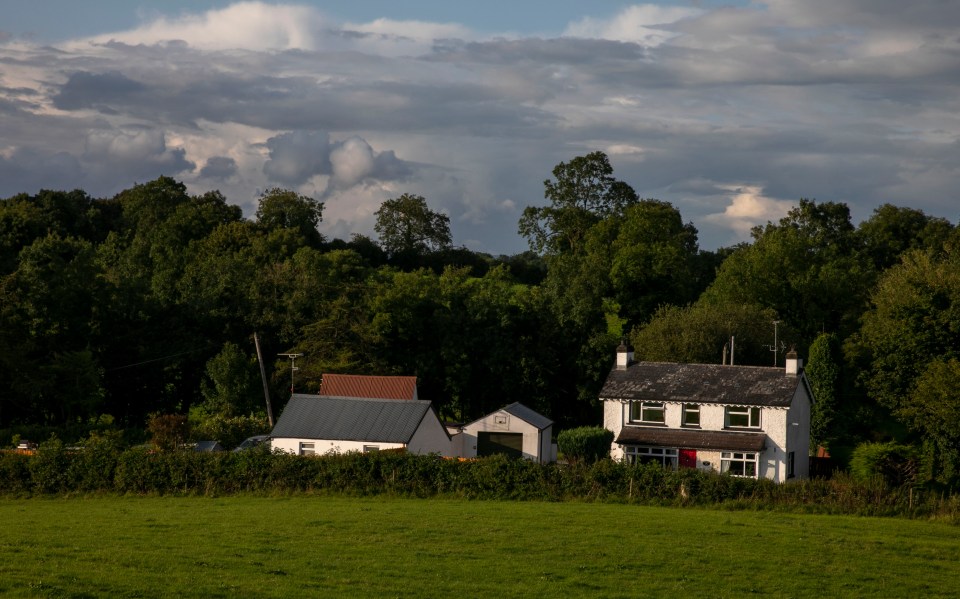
688,458
493,443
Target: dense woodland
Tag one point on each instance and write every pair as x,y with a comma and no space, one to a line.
120,309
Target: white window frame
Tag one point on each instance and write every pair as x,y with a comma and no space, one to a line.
690,408
667,456
753,415
737,463
643,409
369,448
308,448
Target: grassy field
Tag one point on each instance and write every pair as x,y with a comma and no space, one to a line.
341,547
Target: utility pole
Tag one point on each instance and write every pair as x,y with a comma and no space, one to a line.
293,367
263,379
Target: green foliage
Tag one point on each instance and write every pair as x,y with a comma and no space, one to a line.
232,386
229,431
823,371
285,209
699,332
408,228
168,431
585,444
892,462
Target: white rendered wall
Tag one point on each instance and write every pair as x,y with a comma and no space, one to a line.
430,437
535,446
325,446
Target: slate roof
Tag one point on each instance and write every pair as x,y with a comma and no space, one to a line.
702,383
381,387
692,439
350,419
526,414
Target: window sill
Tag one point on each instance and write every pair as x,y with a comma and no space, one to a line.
744,429
651,424
691,426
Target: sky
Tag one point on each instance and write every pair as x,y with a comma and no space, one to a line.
731,111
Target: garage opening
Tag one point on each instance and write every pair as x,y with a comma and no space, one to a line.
510,444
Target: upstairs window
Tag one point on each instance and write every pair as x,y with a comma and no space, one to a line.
646,412
691,415
743,417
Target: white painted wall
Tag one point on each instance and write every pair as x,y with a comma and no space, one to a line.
536,446
327,446
430,437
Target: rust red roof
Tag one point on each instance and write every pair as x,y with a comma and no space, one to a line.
372,387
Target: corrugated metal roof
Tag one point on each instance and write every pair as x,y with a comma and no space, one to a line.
376,387
350,419
692,439
702,383
526,414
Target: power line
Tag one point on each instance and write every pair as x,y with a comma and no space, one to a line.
183,353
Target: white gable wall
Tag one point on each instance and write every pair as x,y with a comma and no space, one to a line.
536,443
430,437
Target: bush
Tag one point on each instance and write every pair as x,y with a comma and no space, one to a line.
585,444
894,463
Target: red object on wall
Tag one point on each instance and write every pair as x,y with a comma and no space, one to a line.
688,458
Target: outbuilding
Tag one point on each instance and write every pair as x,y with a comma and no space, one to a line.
514,430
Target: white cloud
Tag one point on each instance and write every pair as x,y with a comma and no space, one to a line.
352,161
643,24
245,25
748,208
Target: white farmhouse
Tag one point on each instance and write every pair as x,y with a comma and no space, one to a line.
318,424
743,420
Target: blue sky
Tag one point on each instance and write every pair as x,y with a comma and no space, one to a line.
731,111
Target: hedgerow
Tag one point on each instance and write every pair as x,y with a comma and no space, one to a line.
100,466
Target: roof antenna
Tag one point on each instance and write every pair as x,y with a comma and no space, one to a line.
776,348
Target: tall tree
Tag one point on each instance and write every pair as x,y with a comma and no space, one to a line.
823,371
583,193
409,228
285,209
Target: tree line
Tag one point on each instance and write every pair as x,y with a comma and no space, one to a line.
146,303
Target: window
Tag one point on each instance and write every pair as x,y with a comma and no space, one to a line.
307,449
790,460
739,464
665,456
646,412
743,417
691,415
369,448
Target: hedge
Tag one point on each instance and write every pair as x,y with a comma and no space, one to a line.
100,467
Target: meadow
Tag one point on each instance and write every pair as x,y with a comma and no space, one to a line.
304,545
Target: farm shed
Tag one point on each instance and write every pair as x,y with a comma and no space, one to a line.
514,430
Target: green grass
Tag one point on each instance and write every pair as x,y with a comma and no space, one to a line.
341,547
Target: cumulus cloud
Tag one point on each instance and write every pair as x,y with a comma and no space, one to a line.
842,100
297,156
244,25
748,208
219,167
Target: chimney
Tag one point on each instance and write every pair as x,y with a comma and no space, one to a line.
624,355
794,364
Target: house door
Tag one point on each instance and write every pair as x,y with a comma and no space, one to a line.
688,458
492,443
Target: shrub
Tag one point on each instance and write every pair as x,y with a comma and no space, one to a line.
894,463
585,444
168,431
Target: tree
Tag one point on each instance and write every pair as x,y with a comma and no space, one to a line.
698,333
408,228
911,337
892,231
582,194
807,268
232,383
823,372
285,209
